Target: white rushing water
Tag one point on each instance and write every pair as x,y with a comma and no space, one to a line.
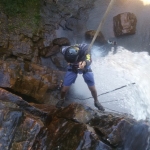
123,68
117,70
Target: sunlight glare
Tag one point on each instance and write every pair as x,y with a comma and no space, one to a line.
146,2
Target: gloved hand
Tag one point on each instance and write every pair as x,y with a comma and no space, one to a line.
82,64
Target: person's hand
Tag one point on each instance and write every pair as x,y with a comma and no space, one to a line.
82,64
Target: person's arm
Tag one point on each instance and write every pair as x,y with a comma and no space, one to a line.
86,62
88,59
87,56
87,53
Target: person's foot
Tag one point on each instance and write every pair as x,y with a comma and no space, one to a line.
99,106
60,103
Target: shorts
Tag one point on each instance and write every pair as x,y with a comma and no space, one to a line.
70,78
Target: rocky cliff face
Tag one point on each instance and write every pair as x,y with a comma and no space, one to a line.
30,54
25,46
26,77
39,126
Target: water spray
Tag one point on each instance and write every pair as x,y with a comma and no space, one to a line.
106,92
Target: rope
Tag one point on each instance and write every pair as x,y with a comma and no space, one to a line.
114,110
105,92
111,100
101,23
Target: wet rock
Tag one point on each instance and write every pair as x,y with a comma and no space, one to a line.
65,134
71,23
49,50
43,51
36,126
103,124
53,50
36,58
48,36
140,132
100,40
28,79
61,41
89,142
62,130
40,45
21,46
45,108
125,133
121,132
4,37
54,47
35,38
77,112
18,128
67,124
124,24
34,109
118,132
59,61
4,41
62,23
20,38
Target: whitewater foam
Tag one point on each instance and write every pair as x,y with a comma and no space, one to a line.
123,68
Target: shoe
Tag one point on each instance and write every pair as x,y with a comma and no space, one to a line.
99,106
59,103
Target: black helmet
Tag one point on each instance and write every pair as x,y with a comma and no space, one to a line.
72,54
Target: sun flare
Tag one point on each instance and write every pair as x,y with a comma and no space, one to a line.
146,2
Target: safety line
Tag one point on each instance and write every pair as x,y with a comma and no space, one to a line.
104,93
100,25
113,110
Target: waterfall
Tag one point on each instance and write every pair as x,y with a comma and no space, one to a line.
123,68
116,70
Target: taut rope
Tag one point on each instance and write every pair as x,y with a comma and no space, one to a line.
101,23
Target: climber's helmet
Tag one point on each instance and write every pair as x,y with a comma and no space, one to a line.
72,54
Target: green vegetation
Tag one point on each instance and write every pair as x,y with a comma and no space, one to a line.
14,7
27,12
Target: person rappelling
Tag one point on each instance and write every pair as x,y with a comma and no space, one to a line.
79,62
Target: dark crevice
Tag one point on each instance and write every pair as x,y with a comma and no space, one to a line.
25,97
101,135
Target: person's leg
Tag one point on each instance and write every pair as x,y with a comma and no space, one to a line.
89,79
64,91
96,102
93,92
69,78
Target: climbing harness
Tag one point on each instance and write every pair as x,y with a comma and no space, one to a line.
81,70
75,68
